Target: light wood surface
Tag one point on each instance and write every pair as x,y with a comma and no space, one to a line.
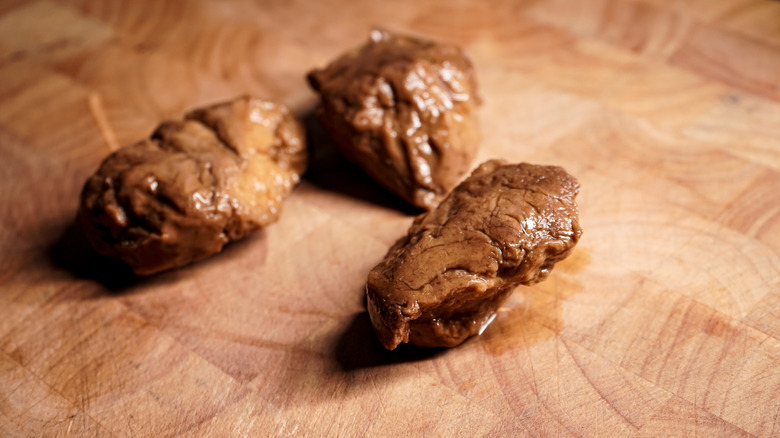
664,322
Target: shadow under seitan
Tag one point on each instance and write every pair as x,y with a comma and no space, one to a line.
330,171
72,252
532,316
358,348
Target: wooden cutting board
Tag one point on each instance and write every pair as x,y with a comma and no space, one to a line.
664,322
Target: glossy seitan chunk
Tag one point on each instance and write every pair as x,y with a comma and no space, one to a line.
404,110
504,226
195,185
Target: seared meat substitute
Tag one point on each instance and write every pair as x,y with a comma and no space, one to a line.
503,226
195,185
404,110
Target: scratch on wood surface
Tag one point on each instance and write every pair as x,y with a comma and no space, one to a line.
530,361
695,418
762,220
96,108
596,387
381,406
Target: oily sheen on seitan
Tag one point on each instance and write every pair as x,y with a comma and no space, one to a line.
503,226
195,185
403,109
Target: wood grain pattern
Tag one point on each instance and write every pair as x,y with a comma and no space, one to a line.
664,322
